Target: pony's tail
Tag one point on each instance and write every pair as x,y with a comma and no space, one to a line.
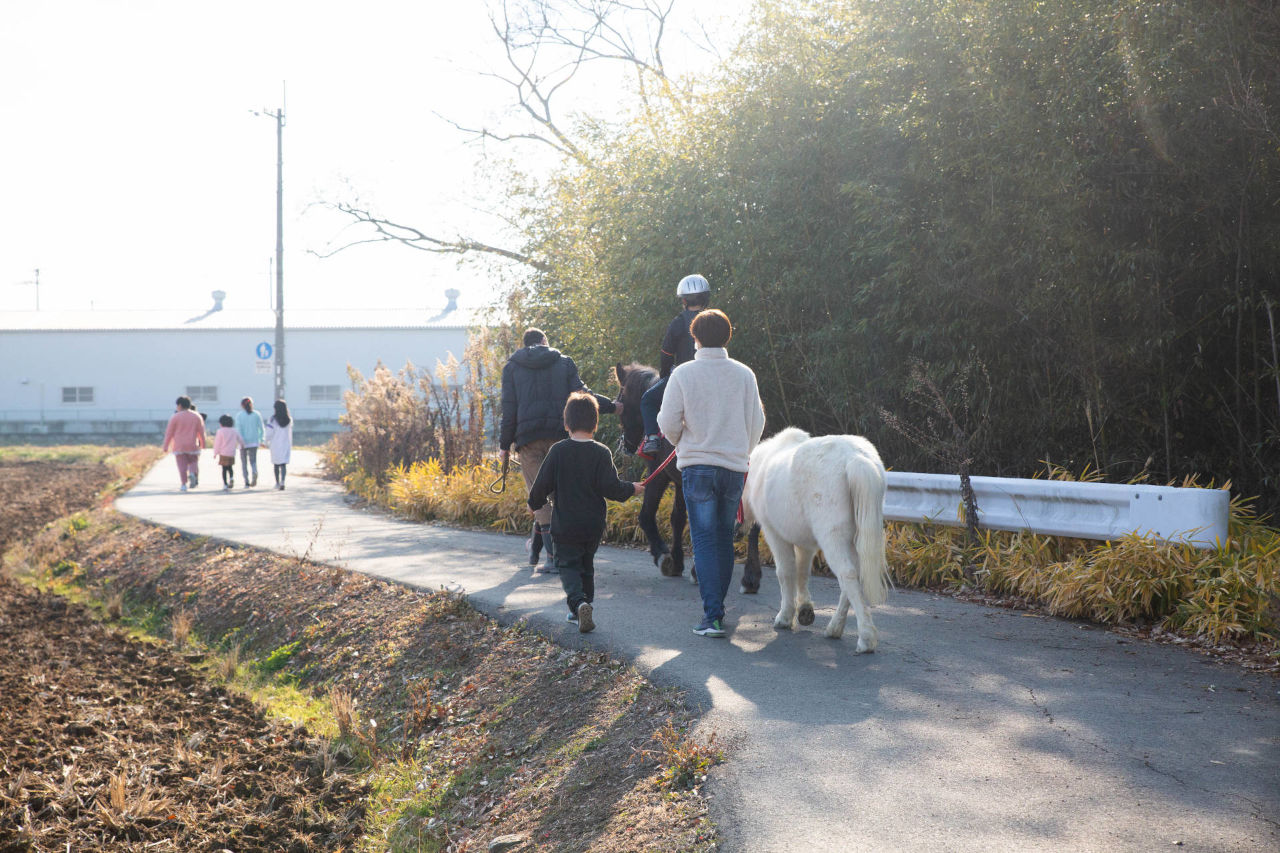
867,487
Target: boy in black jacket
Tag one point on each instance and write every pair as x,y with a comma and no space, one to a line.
579,472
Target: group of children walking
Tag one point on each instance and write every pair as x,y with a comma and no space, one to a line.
246,432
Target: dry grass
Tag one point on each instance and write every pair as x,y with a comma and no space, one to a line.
180,624
229,663
120,807
1228,594
683,761
344,712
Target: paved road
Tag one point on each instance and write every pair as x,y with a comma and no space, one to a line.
971,729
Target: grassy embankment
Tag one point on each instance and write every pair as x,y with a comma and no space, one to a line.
463,729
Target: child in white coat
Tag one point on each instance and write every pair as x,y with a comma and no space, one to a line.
279,437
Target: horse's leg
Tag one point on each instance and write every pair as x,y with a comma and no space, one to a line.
751,568
679,521
649,523
804,603
784,558
835,628
844,563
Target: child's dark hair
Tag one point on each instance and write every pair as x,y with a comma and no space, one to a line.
533,337
581,413
226,420
711,328
184,402
697,300
282,413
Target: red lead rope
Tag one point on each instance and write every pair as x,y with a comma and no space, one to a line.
744,486
656,471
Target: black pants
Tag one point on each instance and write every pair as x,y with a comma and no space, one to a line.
576,562
229,474
279,471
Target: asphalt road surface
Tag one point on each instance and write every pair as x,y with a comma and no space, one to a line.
969,729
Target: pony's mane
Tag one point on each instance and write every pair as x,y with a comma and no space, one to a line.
639,378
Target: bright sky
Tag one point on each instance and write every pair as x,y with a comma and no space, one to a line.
133,174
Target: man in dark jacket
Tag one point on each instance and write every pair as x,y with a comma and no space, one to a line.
536,382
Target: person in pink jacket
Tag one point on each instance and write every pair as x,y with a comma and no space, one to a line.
185,434
225,442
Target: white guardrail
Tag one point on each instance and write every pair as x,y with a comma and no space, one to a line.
1055,507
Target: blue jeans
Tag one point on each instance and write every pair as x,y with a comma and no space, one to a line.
711,494
650,405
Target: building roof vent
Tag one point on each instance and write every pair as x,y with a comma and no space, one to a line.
218,296
451,306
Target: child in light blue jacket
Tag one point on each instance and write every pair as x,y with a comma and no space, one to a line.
251,428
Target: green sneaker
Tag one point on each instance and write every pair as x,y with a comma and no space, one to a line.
709,628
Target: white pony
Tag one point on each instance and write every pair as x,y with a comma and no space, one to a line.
822,493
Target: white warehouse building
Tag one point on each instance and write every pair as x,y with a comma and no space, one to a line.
101,374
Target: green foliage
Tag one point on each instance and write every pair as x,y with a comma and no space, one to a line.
1078,194
279,657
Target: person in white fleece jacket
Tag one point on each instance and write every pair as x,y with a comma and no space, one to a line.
712,413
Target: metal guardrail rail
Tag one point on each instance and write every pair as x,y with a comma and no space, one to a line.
1084,510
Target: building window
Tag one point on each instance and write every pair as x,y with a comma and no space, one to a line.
77,394
326,393
203,393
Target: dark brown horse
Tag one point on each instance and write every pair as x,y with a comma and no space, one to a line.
635,379
751,568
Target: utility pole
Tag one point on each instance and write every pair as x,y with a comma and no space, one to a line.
280,253
278,115
36,282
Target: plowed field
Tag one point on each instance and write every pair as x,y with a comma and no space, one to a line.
110,743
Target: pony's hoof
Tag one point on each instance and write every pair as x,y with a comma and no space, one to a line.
693,575
834,633
782,624
864,648
805,616
749,590
667,566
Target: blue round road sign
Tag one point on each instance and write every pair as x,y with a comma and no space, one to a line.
264,350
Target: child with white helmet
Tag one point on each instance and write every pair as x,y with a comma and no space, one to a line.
694,292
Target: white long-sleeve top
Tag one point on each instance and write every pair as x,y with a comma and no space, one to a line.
711,411
280,440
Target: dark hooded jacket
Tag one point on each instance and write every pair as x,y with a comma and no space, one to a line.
536,383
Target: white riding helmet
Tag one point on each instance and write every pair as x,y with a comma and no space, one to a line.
692,284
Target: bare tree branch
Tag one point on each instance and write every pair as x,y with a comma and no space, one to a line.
545,44
387,231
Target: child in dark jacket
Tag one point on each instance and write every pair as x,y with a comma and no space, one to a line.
579,471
